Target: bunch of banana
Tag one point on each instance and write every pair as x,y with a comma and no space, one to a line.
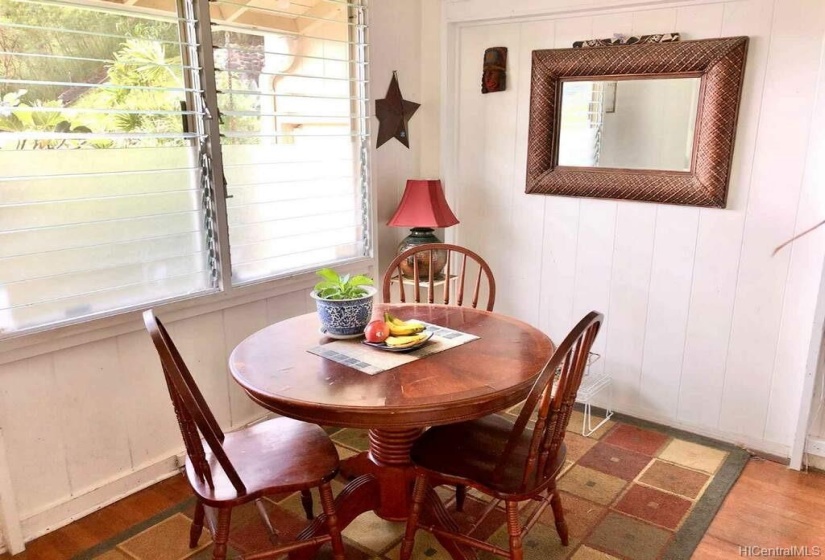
399,328
404,341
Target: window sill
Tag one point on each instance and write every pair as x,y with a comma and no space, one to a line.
28,345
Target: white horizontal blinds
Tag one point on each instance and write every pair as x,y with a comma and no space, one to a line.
291,79
101,202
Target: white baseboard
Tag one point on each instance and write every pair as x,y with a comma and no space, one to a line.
59,514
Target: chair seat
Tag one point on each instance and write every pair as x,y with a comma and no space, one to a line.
281,454
469,452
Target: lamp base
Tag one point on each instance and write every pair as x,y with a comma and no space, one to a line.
421,236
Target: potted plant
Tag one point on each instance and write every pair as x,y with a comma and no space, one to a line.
344,302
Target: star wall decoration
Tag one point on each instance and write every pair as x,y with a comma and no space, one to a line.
394,114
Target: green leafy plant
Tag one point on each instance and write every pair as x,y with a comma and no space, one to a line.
335,286
38,116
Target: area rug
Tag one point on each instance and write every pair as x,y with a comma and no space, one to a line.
632,490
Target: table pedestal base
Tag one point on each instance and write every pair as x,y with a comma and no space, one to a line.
382,482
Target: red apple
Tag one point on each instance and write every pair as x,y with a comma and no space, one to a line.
377,331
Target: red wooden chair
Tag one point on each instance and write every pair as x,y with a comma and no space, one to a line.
272,457
421,257
506,461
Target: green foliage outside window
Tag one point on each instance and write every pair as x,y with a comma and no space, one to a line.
35,51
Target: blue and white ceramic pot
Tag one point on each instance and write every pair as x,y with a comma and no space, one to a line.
344,317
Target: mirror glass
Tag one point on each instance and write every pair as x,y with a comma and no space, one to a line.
629,124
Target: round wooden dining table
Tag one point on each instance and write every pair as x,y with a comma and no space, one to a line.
464,382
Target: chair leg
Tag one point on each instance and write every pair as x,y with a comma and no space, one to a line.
306,501
197,526
419,493
514,530
273,534
460,494
558,513
221,536
328,505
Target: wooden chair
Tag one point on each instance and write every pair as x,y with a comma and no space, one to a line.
272,457
423,256
507,461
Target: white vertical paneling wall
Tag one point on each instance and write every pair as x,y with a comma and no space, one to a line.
705,329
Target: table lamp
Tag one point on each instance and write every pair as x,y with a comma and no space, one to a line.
422,208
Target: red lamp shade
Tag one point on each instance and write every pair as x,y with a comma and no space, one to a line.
423,206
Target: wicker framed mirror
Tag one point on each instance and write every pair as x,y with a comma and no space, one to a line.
698,85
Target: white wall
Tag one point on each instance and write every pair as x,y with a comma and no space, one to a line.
394,46
406,37
705,329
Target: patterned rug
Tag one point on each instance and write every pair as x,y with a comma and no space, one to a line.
632,490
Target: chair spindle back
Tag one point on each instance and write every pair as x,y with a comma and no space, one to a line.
426,254
192,412
553,406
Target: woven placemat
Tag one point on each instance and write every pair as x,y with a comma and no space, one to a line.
371,360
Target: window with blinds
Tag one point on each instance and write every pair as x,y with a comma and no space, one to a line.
291,84
107,182
100,203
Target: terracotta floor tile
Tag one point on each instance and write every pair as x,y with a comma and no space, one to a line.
629,538
581,515
591,485
676,479
615,461
636,439
577,445
541,543
654,506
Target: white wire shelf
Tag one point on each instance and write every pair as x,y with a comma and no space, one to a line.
592,385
